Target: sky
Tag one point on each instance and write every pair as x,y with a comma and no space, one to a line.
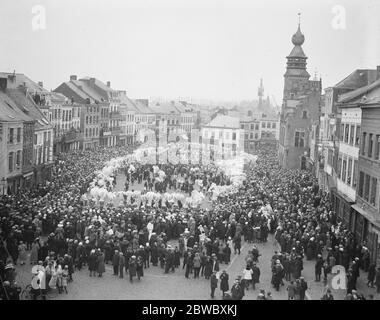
189,49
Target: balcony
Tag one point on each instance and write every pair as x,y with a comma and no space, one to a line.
71,136
115,115
116,130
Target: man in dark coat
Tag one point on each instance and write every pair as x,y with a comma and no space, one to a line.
318,268
303,288
214,263
224,286
121,264
237,291
255,275
214,284
115,263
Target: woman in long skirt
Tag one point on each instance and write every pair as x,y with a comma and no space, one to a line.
59,278
65,276
22,255
34,252
54,278
101,267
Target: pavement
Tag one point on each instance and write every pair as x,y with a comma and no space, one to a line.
155,285
159,286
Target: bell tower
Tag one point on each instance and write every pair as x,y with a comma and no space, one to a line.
296,76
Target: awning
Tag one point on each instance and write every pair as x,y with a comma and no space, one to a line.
367,215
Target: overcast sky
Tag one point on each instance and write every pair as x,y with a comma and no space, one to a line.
209,49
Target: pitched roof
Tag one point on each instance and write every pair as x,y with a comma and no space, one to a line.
125,101
27,105
16,80
358,78
165,108
142,108
224,121
358,93
10,112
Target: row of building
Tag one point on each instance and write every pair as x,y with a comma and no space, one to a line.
36,124
336,135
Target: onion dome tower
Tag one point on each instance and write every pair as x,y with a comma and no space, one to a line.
296,60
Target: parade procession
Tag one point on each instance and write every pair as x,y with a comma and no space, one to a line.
233,197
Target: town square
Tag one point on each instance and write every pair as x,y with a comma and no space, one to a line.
149,163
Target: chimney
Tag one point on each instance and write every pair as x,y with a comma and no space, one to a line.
109,84
73,77
41,84
3,84
378,73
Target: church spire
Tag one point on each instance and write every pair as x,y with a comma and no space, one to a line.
260,92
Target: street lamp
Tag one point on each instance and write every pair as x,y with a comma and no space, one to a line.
3,185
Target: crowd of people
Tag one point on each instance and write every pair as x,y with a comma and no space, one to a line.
63,233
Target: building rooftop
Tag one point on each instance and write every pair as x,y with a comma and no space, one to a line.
224,121
10,112
358,93
25,103
358,78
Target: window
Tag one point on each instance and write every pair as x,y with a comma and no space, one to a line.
349,171
262,124
367,181
233,135
364,136
10,161
352,137
35,139
256,136
339,167
86,132
377,147
354,174
252,126
346,133
251,135
274,125
330,154
357,136
341,132
370,145
18,135
246,136
10,135
304,114
299,139
257,126
361,184
45,136
18,158
344,169
242,126
372,199
221,134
